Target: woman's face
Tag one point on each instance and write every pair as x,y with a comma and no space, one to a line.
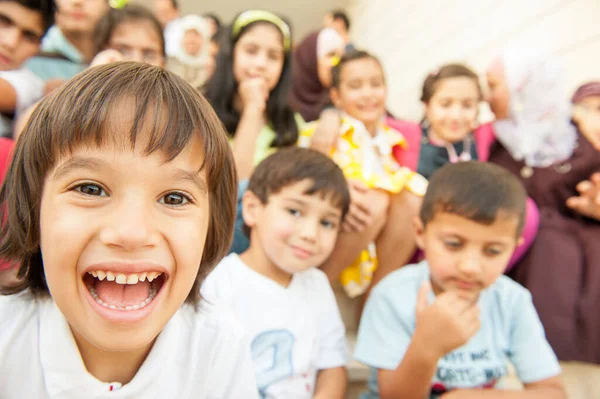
499,95
192,42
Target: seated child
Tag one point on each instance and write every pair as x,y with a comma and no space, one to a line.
364,151
111,262
23,23
292,208
447,327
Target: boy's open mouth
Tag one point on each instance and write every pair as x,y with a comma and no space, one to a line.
123,291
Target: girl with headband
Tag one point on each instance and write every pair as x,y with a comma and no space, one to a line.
249,92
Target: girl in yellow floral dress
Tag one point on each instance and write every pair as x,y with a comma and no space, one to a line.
364,152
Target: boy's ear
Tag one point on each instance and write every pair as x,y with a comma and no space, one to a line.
420,232
251,205
334,94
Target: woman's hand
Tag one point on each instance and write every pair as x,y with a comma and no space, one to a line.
588,201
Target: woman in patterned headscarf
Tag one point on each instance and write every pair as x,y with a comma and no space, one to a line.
554,160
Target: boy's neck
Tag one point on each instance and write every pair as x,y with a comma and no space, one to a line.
111,367
83,42
256,259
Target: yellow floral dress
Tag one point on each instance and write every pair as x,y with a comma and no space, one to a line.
368,159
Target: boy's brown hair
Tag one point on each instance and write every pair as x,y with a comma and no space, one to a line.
78,114
477,191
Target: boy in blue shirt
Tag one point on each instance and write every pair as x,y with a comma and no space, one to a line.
446,328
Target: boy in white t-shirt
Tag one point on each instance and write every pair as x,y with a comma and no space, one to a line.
120,198
23,23
293,207
447,327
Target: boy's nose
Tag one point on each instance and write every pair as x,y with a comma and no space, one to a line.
470,265
130,226
309,230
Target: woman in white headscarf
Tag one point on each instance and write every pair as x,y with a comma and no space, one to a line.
192,60
540,145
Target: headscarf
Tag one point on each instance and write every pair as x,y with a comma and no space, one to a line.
200,25
538,130
587,90
308,96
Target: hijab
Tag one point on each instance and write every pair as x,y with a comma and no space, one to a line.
308,96
538,130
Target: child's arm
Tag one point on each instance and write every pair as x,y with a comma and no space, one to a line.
327,131
254,96
8,97
550,388
331,383
447,324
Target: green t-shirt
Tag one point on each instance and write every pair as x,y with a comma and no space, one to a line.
263,144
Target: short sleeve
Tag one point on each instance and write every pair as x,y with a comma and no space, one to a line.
28,87
384,335
306,134
333,349
529,350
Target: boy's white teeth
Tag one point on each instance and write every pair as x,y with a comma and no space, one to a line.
151,294
121,278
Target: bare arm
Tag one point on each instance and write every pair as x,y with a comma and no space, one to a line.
412,378
331,383
551,388
326,133
244,143
8,97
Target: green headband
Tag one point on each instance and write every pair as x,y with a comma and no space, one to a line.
251,16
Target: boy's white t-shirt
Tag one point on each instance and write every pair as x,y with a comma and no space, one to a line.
199,354
29,89
295,331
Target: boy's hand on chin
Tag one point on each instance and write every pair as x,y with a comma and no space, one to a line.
446,324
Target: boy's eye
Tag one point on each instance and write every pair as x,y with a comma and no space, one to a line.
493,251
174,199
294,212
328,224
453,245
91,190
5,21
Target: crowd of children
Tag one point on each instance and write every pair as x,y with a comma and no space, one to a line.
181,198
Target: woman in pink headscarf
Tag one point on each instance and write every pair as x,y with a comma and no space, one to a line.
553,158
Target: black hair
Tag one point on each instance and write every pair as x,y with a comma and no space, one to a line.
293,165
46,8
340,14
353,55
215,18
222,88
115,17
475,190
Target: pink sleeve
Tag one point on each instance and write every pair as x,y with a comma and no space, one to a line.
532,223
484,138
6,147
408,157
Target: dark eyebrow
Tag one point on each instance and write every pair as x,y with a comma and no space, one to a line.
78,163
194,178
337,214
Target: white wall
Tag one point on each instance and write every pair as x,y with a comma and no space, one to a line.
305,15
413,37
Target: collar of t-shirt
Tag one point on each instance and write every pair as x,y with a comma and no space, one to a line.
65,374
